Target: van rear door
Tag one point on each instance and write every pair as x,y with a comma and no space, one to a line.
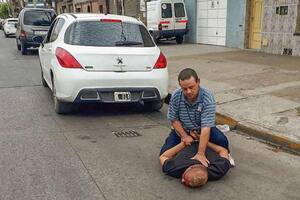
180,16
167,21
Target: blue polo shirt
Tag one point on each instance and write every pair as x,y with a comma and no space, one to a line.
194,116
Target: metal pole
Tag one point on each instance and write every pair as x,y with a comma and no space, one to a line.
123,9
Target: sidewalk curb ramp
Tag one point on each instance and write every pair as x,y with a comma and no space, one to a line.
259,132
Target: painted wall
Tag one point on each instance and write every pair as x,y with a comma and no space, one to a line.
279,32
236,23
191,9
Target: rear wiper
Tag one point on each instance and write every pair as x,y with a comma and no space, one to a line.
127,43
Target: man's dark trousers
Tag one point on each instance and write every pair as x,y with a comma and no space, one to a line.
216,136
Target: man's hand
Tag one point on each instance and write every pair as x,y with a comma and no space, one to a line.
202,158
187,140
195,135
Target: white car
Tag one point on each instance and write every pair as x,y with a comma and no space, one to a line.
102,58
9,26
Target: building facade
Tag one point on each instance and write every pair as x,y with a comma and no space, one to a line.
82,6
92,6
132,8
281,27
271,26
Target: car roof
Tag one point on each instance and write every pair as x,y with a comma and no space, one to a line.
42,9
12,19
95,16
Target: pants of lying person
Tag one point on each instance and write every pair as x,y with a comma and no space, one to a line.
216,136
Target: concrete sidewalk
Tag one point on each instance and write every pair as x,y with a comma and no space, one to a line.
256,93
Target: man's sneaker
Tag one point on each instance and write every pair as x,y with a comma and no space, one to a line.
231,160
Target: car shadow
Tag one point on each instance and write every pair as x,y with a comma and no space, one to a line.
111,109
166,42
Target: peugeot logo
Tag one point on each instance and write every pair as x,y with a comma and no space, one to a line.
120,61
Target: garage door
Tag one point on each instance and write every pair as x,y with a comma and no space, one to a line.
211,21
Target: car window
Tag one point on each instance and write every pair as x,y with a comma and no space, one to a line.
56,29
12,21
38,17
47,39
108,34
166,10
179,10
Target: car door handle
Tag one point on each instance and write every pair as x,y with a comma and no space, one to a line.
49,49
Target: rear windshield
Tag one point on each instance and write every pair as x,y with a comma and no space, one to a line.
12,21
38,18
108,34
179,10
166,10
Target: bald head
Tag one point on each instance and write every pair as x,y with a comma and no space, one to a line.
195,176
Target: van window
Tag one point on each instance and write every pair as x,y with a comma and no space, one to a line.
166,10
38,18
106,34
179,10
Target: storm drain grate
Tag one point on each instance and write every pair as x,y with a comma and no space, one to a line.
129,133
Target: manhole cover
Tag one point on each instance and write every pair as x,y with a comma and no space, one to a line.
129,133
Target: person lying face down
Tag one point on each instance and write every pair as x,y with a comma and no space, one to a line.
177,162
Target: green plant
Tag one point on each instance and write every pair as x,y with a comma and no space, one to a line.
4,10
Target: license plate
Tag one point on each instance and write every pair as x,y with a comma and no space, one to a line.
122,96
40,32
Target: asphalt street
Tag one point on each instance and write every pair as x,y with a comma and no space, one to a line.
48,156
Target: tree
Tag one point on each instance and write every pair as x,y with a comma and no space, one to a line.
4,10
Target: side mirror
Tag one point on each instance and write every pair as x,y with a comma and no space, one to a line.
150,30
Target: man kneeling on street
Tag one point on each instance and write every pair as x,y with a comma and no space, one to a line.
177,162
192,111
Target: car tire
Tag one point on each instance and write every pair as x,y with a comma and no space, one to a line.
153,105
59,106
23,49
18,45
179,39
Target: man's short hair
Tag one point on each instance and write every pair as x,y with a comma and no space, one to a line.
186,74
195,176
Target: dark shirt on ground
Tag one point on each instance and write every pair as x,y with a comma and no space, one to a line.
176,166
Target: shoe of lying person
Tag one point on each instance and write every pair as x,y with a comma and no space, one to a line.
231,160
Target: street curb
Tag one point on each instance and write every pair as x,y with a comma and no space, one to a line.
269,136
256,131
223,119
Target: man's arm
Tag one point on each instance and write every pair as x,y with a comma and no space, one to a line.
170,153
187,139
207,121
223,152
218,149
203,141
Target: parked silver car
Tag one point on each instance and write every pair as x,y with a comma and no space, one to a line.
33,22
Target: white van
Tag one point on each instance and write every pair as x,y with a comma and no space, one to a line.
167,19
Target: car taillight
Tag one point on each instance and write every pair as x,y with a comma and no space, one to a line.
22,35
161,62
159,27
182,21
65,59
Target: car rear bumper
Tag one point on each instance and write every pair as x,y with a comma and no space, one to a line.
169,33
107,95
31,44
71,84
10,32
